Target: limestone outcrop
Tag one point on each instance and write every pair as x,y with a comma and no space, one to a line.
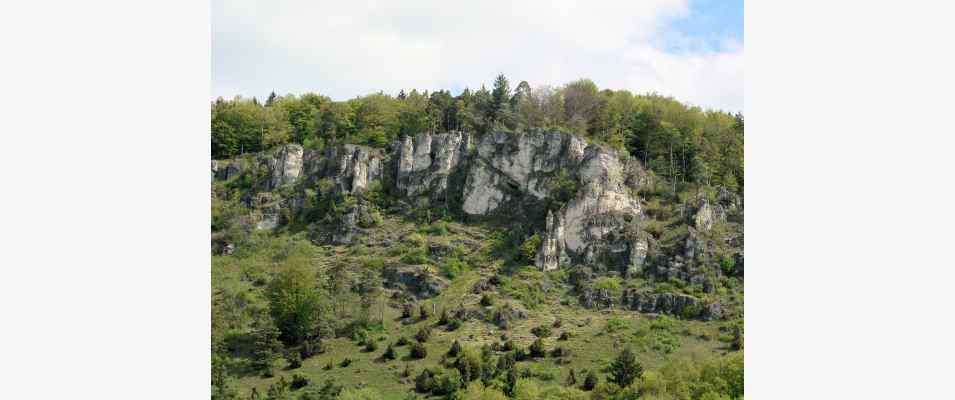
580,194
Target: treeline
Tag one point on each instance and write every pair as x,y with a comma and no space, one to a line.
678,142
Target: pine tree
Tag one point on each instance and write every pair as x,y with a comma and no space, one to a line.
572,378
625,368
500,96
271,99
389,353
590,381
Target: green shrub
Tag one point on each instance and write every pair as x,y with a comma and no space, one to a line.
453,267
423,334
529,248
294,359
298,382
590,381
371,346
345,362
389,353
537,349
542,331
418,350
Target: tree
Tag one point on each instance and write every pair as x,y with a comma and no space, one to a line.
590,381
537,349
389,353
294,303
266,347
500,98
271,99
625,368
418,350
572,378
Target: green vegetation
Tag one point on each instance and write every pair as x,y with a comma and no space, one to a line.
683,144
438,306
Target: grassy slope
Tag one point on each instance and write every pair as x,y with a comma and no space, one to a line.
592,345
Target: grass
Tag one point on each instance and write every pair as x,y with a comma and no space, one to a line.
597,336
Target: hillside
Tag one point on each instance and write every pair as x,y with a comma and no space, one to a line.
538,252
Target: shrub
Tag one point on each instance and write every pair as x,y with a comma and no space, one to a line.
486,300
537,349
444,317
728,265
423,313
401,341
453,325
571,378
371,345
418,351
529,248
423,334
564,336
294,359
541,331
559,352
591,381
298,382
455,349
453,266
389,353
345,363
424,382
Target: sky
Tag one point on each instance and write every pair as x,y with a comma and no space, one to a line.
690,50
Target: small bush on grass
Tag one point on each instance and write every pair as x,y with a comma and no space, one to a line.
298,382
418,351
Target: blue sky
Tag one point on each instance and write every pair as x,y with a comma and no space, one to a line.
691,50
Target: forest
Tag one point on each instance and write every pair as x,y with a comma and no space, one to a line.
678,142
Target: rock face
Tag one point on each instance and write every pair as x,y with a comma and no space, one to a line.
671,303
502,175
425,161
414,279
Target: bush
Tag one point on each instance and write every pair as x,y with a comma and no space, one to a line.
728,265
345,363
455,349
564,336
424,382
402,341
418,351
423,313
559,352
591,381
294,359
541,331
423,334
371,345
486,300
298,382
389,353
453,267
453,325
529,248
537,349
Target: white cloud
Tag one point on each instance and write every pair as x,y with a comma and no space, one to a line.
349,48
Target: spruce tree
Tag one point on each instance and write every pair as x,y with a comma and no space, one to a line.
625,368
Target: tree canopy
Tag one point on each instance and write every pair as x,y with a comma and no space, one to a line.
679,142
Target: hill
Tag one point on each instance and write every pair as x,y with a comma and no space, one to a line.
537,252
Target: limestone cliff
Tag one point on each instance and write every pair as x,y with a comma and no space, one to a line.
579,196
